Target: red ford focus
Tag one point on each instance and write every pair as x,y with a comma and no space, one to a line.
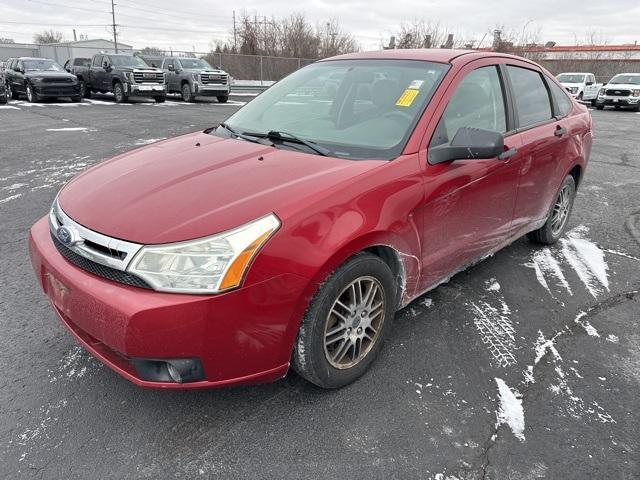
290,234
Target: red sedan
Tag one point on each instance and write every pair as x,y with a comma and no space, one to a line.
290,234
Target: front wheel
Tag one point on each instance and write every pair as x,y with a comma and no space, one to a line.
118,93
557,222
345,325
32,97
223,98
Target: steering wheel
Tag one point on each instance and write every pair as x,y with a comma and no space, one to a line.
398,115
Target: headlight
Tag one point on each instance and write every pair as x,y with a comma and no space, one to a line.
195,77
207,265
635,93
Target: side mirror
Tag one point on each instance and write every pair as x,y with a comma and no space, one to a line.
468,144
171,68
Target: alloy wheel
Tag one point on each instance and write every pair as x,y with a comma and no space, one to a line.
354,323
561,210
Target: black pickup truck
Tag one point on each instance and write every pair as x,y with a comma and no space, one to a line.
124,75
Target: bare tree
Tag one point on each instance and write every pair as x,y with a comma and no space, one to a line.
48,36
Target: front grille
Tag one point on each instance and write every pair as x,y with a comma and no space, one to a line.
213,78
97,269
614,92
57,80
148,77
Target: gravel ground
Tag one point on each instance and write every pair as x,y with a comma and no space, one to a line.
525,366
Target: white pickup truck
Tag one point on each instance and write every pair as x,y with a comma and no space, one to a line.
623,90
581,86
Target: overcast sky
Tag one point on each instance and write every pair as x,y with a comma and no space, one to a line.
189,24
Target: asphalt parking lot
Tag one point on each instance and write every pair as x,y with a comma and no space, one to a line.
525,366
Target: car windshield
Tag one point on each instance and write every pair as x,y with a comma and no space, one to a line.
570,78
195,63
127,61
41,65
630,79
353,108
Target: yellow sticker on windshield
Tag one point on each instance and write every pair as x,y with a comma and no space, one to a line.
407,98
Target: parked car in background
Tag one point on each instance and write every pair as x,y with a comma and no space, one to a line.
623,90
194,77
73,64
581,86
124,75
40,78
291,233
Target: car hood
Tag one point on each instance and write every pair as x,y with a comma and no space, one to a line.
49,75
622,86
197,185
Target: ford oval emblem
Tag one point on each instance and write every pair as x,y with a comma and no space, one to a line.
68,236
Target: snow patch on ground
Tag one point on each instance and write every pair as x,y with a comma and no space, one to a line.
493,322
510,411
590,329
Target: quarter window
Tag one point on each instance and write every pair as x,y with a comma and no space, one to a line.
561,98
478,102
530,96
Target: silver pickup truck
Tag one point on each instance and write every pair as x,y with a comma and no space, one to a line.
193,77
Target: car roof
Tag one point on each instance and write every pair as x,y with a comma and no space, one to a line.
439,55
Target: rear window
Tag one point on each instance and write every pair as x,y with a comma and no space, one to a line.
561,98
531,96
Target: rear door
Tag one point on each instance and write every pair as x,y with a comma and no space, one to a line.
469,203
544,136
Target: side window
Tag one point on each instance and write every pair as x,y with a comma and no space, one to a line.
478,102
561,98
531,97
97,61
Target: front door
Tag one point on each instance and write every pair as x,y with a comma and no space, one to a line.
469,203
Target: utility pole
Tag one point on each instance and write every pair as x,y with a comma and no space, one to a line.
115,33
235,34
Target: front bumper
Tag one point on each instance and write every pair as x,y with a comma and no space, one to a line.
622,101
56,90
210,90
146,90
240,337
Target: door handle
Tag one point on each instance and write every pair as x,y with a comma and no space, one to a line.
508,154
560,131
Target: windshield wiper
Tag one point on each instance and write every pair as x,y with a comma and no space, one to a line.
248,137
289,137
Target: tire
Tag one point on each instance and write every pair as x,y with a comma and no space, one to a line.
11,94
223,98
159,99
187,94
32,96
118,93
556,224
599,107
338,363
84,91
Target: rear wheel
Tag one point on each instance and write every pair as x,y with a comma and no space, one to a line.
223,98
84,91
187,94
556,224
346,323
118,93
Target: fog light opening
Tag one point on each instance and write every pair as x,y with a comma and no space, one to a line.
174,373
